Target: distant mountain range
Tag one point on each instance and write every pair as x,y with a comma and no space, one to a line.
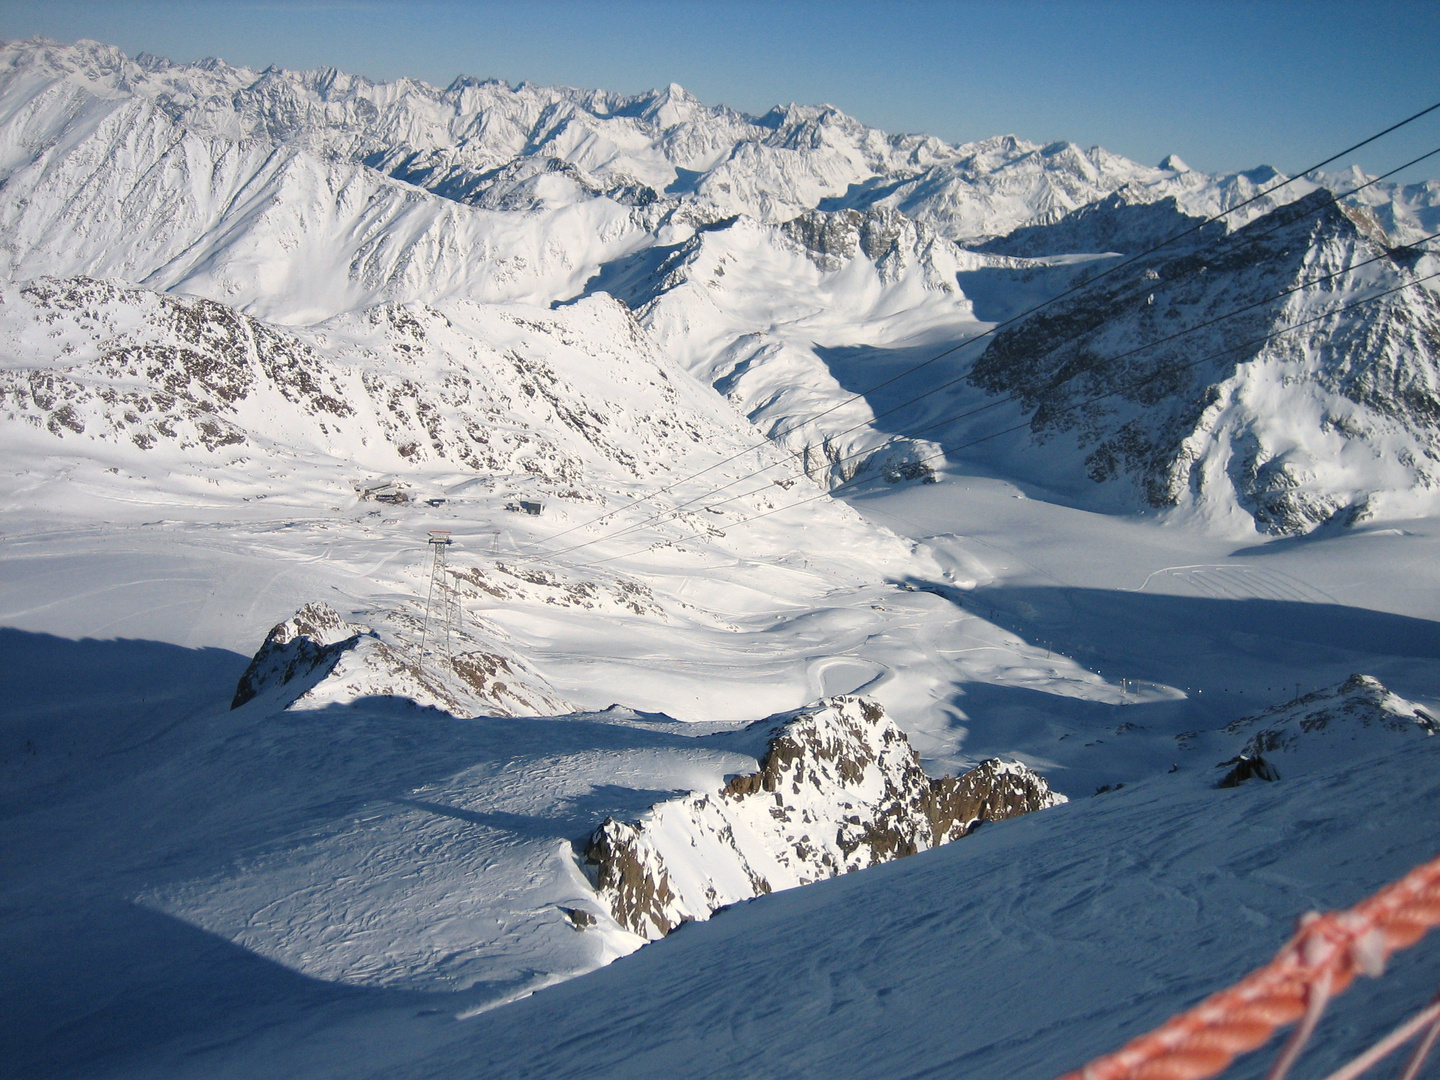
792,260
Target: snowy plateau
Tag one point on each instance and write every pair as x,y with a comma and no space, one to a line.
837,669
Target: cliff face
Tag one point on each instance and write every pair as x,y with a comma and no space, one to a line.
838,788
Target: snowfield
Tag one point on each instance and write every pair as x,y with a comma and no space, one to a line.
253,874
833,666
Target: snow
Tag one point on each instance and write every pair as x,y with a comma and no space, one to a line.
1021,951
1039,941
260,332
837,789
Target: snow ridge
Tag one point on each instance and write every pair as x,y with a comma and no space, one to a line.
1350,719
316,658
311,639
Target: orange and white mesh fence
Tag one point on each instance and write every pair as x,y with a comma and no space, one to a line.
1319,962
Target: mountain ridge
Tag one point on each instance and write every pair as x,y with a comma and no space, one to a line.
299,197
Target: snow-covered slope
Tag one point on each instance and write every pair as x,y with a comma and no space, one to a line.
299,196
548,395
765,313
1355,717
316,658
346,441
1023,951
327,893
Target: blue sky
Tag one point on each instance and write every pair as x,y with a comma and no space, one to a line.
1225,84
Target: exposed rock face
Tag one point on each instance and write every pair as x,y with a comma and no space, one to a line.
838,788
325,660
155,368
1246,767
992,791
391,386
308,642
1354,716
1294,431
833,239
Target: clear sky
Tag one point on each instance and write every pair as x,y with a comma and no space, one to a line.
1225,84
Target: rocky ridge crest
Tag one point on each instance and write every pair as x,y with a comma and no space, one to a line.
838,789
317,658
1357,711
308,642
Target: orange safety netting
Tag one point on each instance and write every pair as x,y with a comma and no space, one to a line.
1326,953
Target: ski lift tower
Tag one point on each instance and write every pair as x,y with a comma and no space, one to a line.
439,541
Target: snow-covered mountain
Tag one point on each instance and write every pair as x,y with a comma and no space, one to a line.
1291,429
791,259
264,334
547,396
527,147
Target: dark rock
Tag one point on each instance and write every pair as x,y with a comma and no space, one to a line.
1244,767
579,917
309,643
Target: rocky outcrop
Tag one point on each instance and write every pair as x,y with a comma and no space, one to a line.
1352,717
145,368
992,791
838,788
322,660
1244,767
309,643
831,240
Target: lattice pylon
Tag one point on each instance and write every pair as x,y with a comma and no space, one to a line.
439,541
453,614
